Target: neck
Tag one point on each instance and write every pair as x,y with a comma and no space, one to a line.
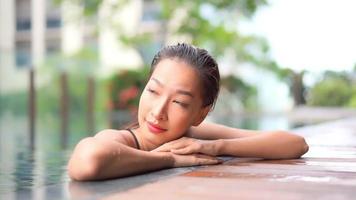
145,144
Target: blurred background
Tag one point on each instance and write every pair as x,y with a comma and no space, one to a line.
69,68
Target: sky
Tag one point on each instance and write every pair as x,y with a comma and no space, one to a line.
315,35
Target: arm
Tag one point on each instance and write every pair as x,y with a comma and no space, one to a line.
213,131
269,145
223,140
97,158
251,143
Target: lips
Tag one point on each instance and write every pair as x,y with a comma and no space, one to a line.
155,128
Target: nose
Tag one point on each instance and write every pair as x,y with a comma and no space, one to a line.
159,110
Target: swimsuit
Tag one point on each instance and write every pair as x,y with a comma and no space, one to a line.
134,136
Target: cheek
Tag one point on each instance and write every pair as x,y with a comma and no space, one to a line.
180,119
185,119
143,104
179,123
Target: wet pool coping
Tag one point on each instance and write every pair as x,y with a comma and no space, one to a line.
327,171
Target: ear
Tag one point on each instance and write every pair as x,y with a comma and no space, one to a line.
201,116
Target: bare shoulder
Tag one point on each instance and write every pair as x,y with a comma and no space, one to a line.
121,136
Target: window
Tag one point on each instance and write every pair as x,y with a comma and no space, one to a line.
23,15
23,54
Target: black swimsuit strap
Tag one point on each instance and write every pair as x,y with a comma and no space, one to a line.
134,136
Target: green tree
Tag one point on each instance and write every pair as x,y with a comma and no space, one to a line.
209,24
335,89
246,93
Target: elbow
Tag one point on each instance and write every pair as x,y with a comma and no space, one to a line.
84,164
304,147
301,147
294,146
82,173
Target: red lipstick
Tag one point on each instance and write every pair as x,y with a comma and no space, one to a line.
154,128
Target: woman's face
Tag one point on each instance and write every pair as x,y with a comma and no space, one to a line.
171,102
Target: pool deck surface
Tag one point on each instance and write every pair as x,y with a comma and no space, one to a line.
327,171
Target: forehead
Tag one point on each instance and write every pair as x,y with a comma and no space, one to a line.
177,74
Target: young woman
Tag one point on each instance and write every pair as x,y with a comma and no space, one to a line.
170,132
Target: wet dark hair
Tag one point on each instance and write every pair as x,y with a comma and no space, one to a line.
201,61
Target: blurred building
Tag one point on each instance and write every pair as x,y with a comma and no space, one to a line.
28,33
31,31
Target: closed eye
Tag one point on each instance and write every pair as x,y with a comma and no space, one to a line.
181,103
151,91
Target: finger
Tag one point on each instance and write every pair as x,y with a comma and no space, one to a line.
168,146
177,141
209,157
208,161
162,148
185,150
205,156
211,162
177,144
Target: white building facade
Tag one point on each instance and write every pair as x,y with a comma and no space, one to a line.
33,30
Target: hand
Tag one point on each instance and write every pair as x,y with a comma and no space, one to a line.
186,145
192,160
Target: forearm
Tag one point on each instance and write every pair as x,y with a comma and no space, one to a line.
272,145
95,159
132,161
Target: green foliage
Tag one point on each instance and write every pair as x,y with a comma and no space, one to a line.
83,63
335,89
209,24
352,102
331,92
77,67
245,92
212,25
125,88
14,102
48,98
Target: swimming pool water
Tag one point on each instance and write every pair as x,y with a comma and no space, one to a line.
26,167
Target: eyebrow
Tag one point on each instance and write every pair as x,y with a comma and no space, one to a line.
180,91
